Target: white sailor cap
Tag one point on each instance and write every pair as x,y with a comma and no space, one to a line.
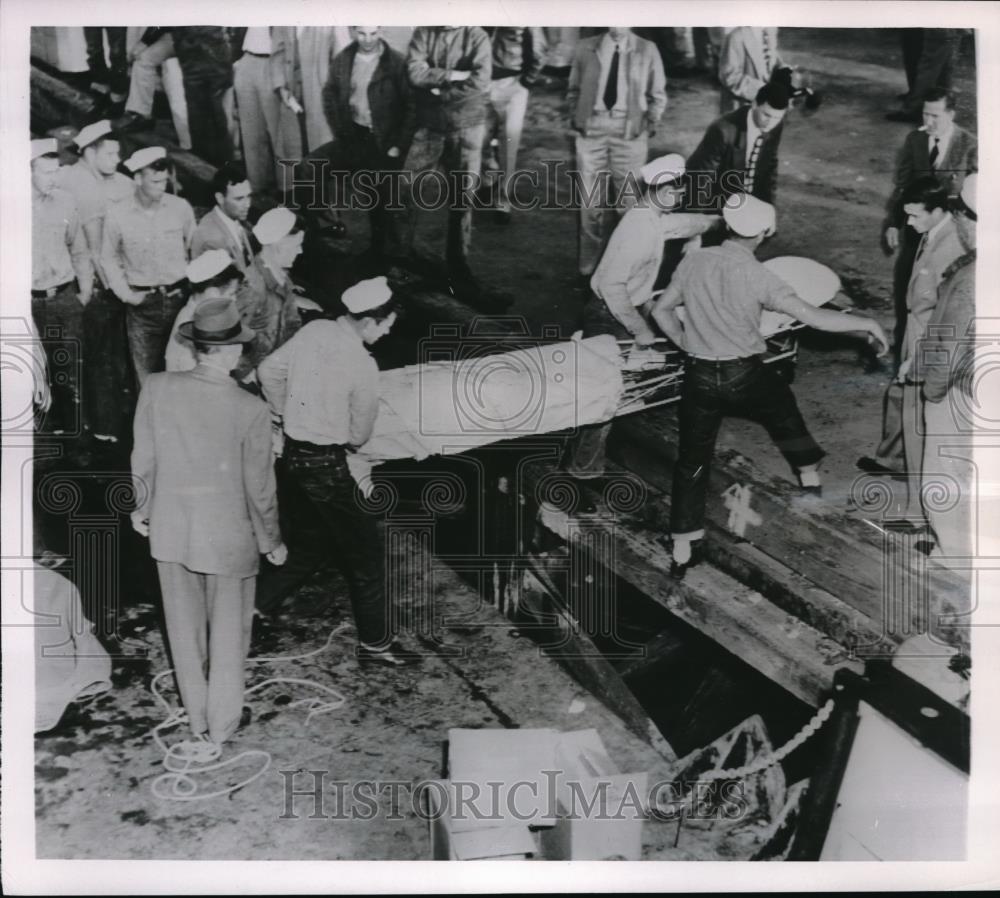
274,224
92,133
969,192
144,157
45,146
208,265
748,216
666,168
367,295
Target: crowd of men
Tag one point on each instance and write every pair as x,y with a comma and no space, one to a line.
235,367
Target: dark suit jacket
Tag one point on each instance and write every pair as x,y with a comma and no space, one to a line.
389,98
717,167
960,159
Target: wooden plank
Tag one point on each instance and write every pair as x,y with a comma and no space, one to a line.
787,588
785,649
873,572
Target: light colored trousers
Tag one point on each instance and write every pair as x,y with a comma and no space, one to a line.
903,436
509,103
949,488
209,619
269,129
155,65
605,149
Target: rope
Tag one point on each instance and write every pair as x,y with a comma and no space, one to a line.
746,771
183,760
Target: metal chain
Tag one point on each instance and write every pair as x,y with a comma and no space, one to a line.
762,764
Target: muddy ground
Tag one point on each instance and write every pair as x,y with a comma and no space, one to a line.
95,770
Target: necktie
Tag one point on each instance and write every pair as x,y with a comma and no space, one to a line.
752,164
934,152
611,88
921,247
245,243
766,46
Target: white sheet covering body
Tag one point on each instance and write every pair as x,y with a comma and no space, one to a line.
443,408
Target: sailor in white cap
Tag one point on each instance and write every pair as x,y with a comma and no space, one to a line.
145,256
724,290
96,184
62,275
269,300
204,474
950,418
323,386
622,286
212,275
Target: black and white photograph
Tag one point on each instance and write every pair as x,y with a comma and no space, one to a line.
494,441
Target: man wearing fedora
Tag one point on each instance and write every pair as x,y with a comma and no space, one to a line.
144,257
211,275
724,290
622,286
323,387
97,185
203,470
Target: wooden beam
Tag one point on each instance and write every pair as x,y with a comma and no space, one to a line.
871,571
788,651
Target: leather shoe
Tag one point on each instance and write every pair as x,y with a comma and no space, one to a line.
393,656
679,569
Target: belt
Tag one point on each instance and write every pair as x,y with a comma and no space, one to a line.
167,289
52,291
720,361
307,448
258,55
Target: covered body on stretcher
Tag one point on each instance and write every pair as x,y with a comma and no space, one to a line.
449,407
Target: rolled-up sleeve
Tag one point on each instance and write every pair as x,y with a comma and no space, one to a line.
364,403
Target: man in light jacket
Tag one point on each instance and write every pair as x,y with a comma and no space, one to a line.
616,97
204,478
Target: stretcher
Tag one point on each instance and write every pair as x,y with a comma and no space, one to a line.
476,398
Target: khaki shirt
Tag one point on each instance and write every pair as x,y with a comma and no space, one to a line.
724,289
627,272
146,247
94,194
324,383
58,248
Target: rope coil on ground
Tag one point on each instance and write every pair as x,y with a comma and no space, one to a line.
182,760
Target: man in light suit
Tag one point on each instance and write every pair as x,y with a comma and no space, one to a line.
940,148
748,59
616,96
925,204
225,225
739,152
203,470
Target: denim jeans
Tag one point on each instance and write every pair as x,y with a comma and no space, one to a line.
149,325
105,369
60,324
712,390
321,474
